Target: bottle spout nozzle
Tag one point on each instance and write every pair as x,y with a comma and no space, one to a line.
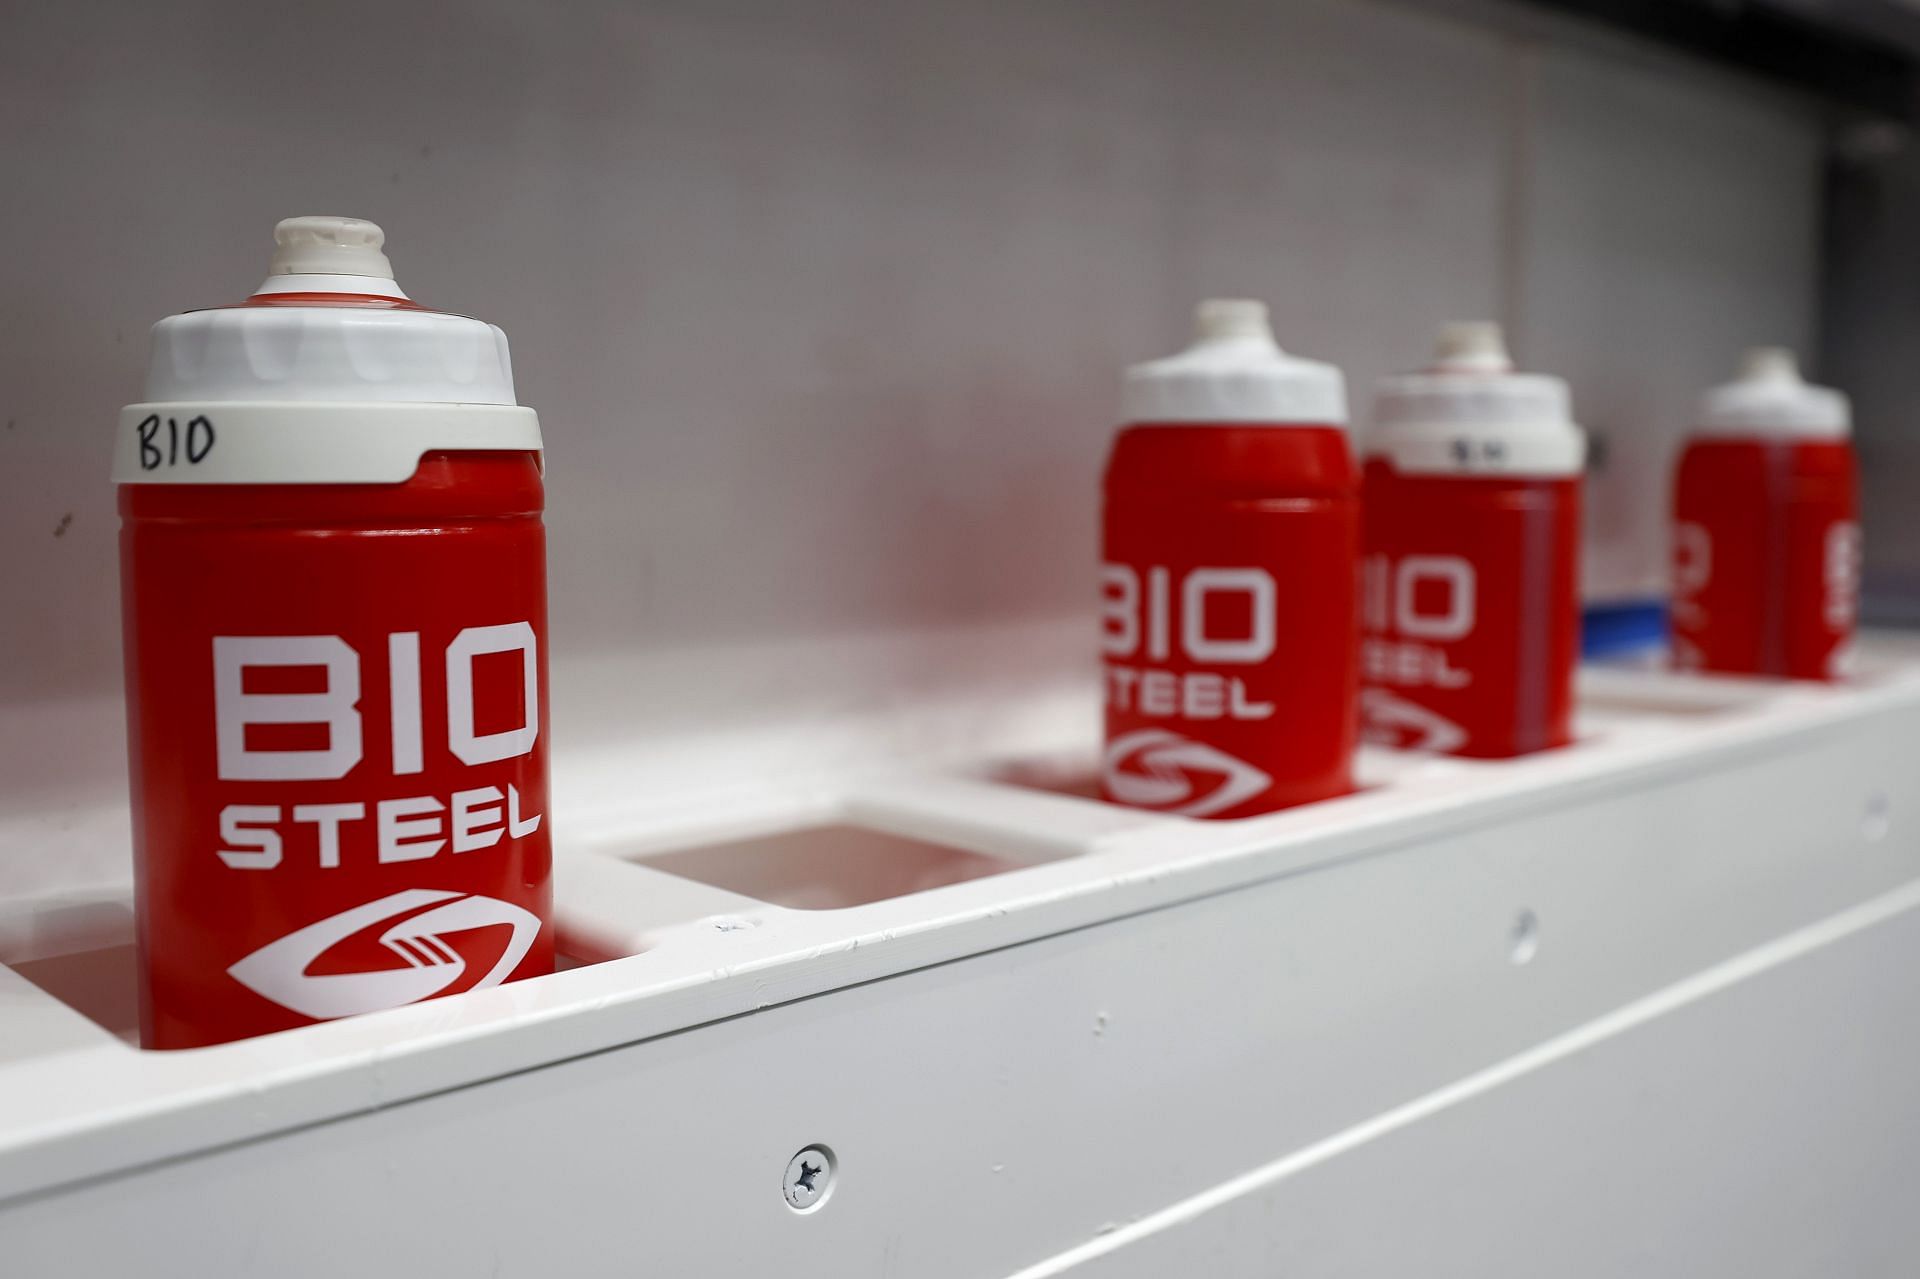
1227,319
1769,364
1471,346
317,245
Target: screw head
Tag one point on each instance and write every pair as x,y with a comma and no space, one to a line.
1523,940
809,1178
1878,819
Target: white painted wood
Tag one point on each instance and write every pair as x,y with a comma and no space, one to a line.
1761,1128
1106,1052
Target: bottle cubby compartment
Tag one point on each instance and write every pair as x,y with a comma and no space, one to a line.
902,843
668,919
827,867
82,955
97,983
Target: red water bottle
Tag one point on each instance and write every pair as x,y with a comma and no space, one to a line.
1766,532
1228,611
1470,580
334,600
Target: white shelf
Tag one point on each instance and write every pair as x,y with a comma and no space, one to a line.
1695,821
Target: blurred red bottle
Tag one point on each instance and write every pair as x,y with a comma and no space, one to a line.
1470,593
1766,534
334,599
1228,609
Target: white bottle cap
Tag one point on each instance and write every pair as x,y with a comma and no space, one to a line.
389,355
343,252
1770,398
323,393
1469,413
1234,372
1471,346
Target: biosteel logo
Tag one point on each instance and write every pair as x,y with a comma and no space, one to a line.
375,827
255,836
1154,768
1392,720
1138,621
278,970
1412,608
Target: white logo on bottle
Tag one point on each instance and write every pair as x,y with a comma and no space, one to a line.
1392,720
278,970
1390,595
1842,575
1153,768
1692,570
1411,608
1123,619
337,706
1692,556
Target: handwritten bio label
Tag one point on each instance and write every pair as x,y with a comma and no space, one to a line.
195,441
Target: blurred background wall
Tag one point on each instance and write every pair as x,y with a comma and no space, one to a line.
823,305
1871,323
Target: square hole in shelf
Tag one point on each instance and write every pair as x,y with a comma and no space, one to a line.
1072,775
1670,702
101,984
1080,778
98,984
826,867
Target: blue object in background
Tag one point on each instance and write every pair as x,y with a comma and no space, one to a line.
1632,626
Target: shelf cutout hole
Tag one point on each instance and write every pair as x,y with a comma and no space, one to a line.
101,984
98,984
1079,778
826,867
1676,696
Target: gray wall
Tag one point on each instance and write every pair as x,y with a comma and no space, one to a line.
1872,328
823,304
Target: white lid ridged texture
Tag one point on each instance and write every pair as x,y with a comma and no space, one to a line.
1234,372
329,353
1469,412
356,354
1770,398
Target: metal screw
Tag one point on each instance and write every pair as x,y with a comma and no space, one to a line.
1523,941
809,1177
1878,819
